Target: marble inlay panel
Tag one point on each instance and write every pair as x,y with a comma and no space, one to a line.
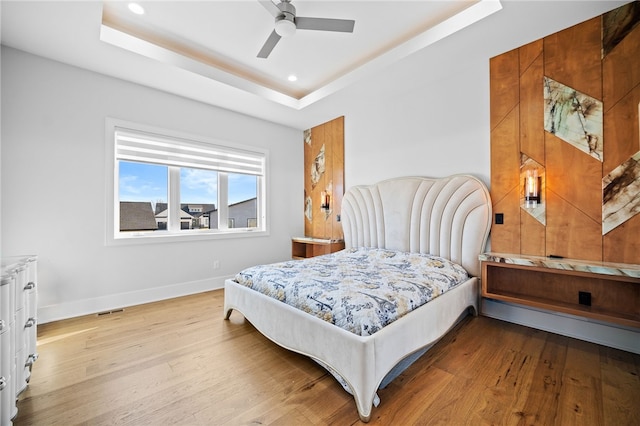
317,168
617,23
603,268
538,212
308,208
621,194
573,117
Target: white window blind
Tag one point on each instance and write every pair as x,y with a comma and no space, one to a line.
133,145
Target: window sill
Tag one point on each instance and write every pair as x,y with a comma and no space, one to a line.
184,236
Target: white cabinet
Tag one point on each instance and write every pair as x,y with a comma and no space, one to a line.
7,349
18,329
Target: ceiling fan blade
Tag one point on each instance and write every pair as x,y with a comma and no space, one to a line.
325,24
268,46
271,7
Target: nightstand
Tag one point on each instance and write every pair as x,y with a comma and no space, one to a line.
305,247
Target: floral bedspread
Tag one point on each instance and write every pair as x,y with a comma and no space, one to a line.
361,289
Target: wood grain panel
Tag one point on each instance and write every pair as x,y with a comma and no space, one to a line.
308,157
337,135
622,138
505,238
505,156
331,136
529,53
573,57
574,176
504,81
620,69
622,243
532,235
571,233
532,110
315,227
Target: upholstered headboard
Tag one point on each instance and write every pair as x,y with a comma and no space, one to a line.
448,217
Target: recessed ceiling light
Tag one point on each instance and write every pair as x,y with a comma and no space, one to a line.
292,78
136,8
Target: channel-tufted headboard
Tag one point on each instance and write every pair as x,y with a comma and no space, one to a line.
448,217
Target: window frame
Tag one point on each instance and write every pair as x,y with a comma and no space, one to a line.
113,235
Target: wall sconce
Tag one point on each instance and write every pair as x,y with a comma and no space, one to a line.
531,189
325,201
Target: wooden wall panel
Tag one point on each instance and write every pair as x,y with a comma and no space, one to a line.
532,232
571,233
573,57
505,157
505,166
573,197
331,136
622,244
504,70
532,110
532,235
621,96
315,227
505,238
337,135
619,127
528,53
575,176
620,69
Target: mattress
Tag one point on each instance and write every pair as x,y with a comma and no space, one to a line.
360,290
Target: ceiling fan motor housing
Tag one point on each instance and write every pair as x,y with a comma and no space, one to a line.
285,22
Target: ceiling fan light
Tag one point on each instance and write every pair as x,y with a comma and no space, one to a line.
285,28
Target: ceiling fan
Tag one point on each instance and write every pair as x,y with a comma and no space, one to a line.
286,24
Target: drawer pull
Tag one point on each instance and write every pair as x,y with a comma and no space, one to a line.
30,322
3,383
30,285
1,325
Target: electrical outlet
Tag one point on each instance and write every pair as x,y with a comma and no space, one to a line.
216,264
584,298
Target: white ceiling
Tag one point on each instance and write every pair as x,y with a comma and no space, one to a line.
210,46
230,34
207,49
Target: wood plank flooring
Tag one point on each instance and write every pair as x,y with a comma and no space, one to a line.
178,362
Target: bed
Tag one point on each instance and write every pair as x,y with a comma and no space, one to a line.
442,219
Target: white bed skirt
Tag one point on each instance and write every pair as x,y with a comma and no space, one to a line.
363,361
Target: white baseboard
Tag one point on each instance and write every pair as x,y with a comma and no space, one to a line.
612,335
111,302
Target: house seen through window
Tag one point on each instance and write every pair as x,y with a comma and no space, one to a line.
167,185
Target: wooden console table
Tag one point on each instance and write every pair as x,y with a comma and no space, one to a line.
604,291
304,247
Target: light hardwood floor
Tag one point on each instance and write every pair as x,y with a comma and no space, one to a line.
179,362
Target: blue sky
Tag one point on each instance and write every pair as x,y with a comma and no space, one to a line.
148,182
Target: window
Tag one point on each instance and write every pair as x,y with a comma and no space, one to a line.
171,185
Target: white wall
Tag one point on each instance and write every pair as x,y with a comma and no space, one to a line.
54,180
